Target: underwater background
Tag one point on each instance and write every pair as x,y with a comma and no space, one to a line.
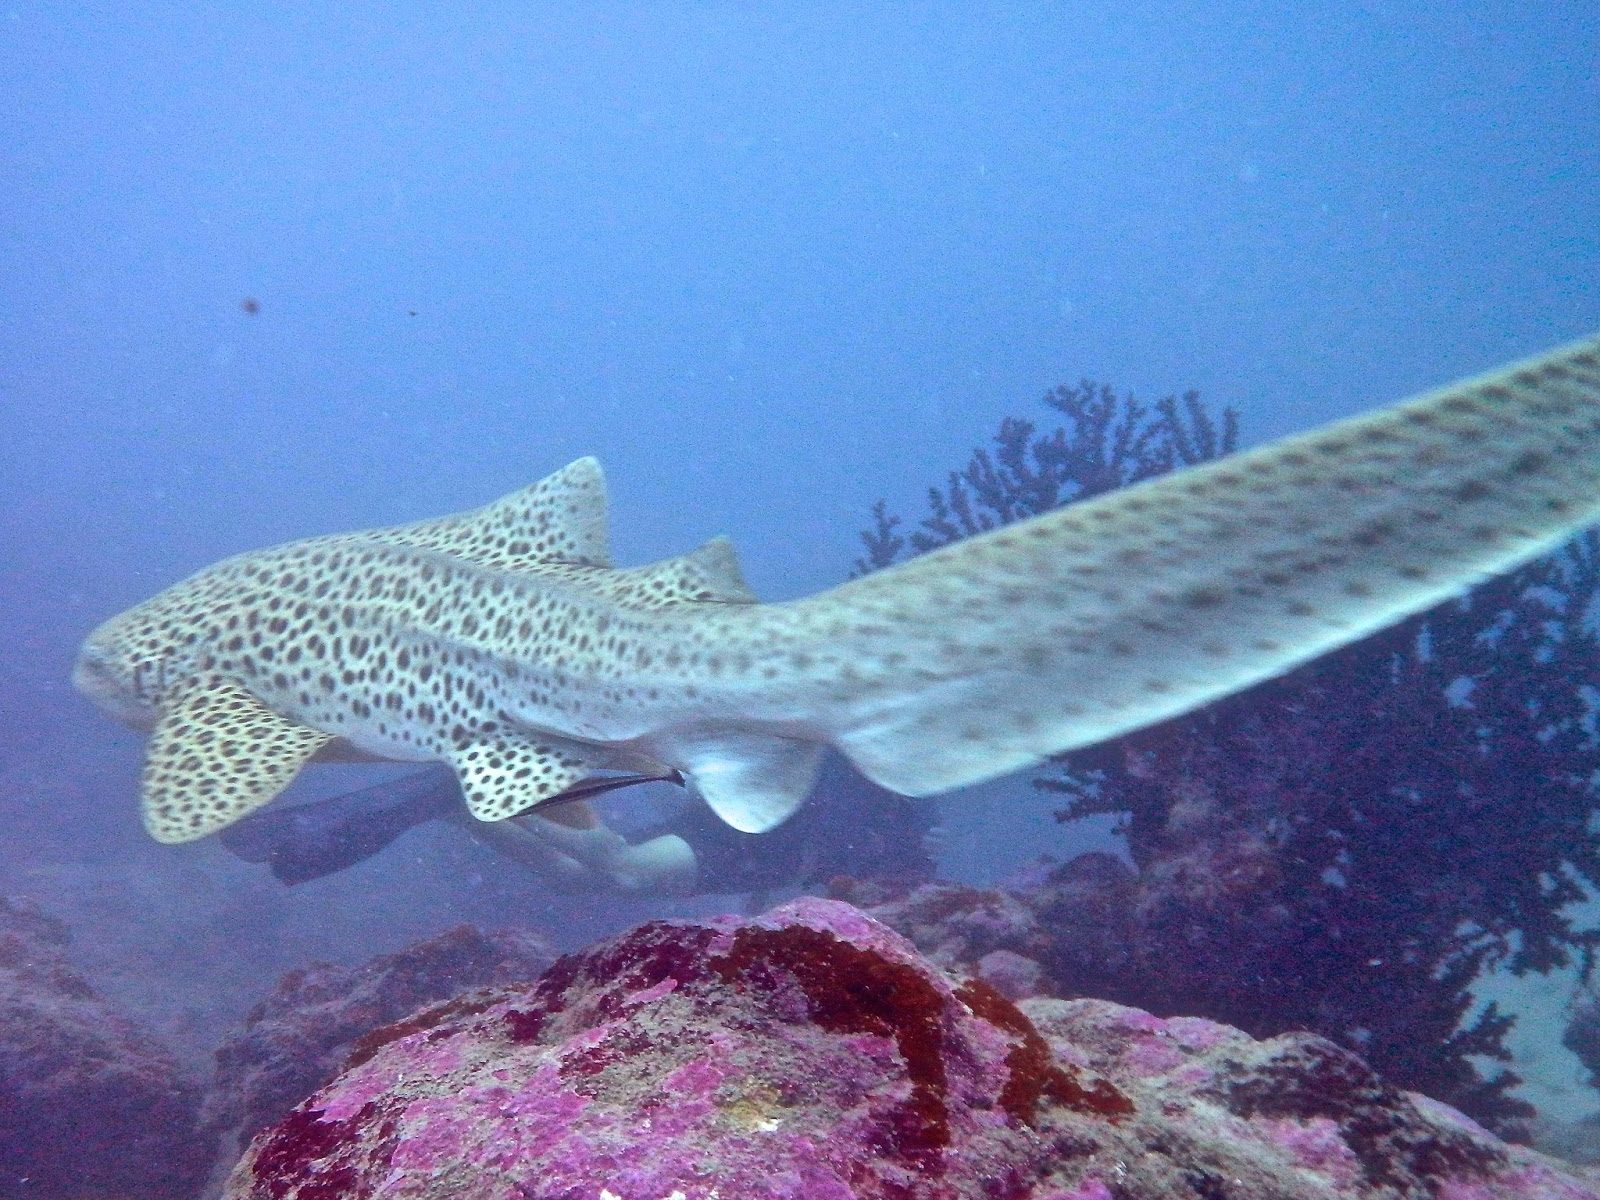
273,272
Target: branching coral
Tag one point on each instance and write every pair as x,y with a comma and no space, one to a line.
1107,441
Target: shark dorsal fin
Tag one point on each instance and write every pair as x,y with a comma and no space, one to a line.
559,520
216,754
707,575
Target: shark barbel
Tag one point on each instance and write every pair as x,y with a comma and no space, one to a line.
503,642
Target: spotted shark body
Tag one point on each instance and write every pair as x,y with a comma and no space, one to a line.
503,642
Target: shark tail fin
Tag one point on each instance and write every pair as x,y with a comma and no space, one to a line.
1106,616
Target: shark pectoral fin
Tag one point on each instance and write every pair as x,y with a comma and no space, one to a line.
216,754
503,776
754,782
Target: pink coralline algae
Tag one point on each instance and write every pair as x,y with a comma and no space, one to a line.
90,1104
813,1054
298,1037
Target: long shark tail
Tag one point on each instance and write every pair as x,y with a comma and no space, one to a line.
1106,616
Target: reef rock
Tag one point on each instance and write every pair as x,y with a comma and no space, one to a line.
90,1103
298,1037
813,1054
964,930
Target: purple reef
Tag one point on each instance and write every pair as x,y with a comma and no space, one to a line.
814,1054
298,1037
90,1104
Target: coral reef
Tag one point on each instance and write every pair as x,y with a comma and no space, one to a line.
1369,832
812,1053
297,1038
90,1104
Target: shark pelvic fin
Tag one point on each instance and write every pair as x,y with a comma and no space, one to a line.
503,776
559,520
707,575
216,754
752,781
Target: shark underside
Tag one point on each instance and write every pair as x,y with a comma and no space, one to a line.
503,642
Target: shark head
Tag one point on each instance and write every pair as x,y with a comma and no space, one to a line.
124,665
132,664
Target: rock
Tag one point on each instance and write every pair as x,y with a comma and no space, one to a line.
1014,976
955,926
1576,1141
813,1054
90,1103
297,1038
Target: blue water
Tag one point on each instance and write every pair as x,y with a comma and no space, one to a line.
266,272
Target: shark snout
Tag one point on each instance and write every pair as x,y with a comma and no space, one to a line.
95,674
89,674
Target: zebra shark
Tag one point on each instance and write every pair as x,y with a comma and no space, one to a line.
503,642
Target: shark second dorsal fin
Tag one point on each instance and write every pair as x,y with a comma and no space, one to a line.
505,775
216,754
707,575
559,520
